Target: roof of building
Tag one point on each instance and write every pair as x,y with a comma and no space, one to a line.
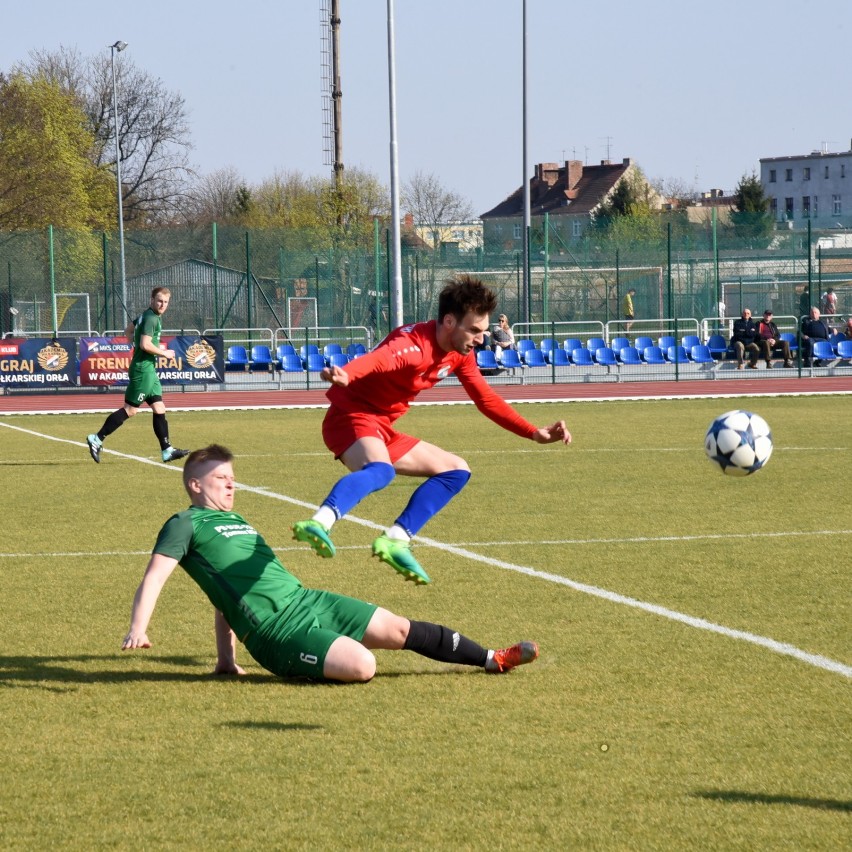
572,189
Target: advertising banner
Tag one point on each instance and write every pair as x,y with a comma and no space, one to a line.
37,363
104,361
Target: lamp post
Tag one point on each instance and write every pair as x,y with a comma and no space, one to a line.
113,49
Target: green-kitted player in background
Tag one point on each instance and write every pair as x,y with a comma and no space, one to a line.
290,630
144,385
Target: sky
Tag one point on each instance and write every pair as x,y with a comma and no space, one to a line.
693,92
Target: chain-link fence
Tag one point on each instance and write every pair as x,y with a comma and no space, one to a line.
226,277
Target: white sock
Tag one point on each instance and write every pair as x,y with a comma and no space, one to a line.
490,665
397,533
325,515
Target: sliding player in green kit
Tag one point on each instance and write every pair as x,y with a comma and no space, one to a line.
290,630
144,384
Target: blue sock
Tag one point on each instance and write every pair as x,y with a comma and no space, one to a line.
355,486
430,498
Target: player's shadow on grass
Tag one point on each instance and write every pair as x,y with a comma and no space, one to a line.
273,726
743,797
54,673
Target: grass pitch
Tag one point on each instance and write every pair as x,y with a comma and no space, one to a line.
634,730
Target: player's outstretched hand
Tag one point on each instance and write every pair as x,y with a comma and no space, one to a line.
134,641
551,434
335,375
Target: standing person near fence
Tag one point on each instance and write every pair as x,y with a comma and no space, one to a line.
370,393
144,384
627,309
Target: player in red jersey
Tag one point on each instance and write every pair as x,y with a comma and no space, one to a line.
374,390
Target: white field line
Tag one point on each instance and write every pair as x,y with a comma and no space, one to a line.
783,648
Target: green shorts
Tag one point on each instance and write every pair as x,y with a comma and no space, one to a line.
295,644
144,385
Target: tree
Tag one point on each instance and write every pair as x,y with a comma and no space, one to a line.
222,196
434,206
47,176
751,219
153,135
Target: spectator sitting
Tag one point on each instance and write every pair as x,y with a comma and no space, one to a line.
813,328
770,340
502,335
744,338
847,331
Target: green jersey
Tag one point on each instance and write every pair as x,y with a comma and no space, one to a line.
151,324
234,566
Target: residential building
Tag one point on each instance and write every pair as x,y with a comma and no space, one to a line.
570,194
815,187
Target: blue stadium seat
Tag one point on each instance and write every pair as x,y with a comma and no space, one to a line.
595,343
308,349
237,360
486,360
285,349
548,344
844,350
510,360
571,343
291,363
718,346
337,359
618,343
823,351
653,355
629,355
642,343
581,357
353,350
314,363
701,354
534,358
558,357
676,352
523,345
604,356
791,339
665,341
331,349
690,340
261,359
835,339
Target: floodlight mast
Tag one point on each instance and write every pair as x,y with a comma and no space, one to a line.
117,48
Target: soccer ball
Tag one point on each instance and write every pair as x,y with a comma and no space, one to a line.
739,442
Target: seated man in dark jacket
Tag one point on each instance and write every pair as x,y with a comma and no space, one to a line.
770,340
745,337
813,328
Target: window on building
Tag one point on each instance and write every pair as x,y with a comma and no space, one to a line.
836,207
806,207
826,171
806,173
576,228
788,174
516,231
772,175
816,207
842,170
773,207
788,208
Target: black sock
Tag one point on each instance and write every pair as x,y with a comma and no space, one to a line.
112,423
447,646
161,430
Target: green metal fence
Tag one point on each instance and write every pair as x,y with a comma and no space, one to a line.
226,277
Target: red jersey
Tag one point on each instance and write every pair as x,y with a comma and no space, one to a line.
409,360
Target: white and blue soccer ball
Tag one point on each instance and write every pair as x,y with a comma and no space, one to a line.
739,442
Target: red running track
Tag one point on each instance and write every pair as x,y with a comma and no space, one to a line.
62,403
